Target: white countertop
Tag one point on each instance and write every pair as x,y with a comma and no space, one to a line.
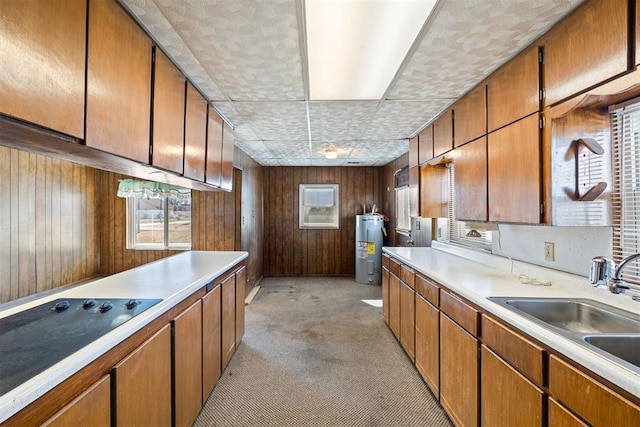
173,279
476,276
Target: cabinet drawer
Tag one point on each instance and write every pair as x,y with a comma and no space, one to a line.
559,416
395,267
408,276
463,314
591,400
385,260
525,356
428,289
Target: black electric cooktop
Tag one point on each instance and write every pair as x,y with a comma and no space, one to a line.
35,339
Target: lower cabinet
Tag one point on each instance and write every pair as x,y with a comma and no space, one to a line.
428,343
559,416
385,294
394,304
228,287
211,340
142,384
407,319
187,365
91,408
241,283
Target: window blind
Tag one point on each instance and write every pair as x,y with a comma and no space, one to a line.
626,182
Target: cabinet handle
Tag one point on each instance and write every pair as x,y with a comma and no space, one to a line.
593,146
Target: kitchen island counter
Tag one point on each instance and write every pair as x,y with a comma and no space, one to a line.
171,279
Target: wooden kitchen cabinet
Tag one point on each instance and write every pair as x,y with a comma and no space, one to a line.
214,148
91,408
40,32
521,405
187,365
559,416
434,194
118,105
142,383
471,181
226,178
394,304
228,289
443,133
211,340
586,48
425,144
414,191
413,152
168,114
241,282
514,172
513,91
470,116
427,345
195,135
603,407
385,291
407,319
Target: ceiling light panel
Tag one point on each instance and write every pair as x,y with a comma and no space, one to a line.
356,47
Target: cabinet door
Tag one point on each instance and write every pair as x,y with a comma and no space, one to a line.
434,194
513,91
586,48
407,319
425,144
443,133
428,343
214,148
413,151
394,304
195,134
471,181
385,294
241,283
211,341
521,406
559,416
142,383
470,114
459,373
91,408
168,115
228,286
514,172
36,33
118,83
414,191
226,179
187,365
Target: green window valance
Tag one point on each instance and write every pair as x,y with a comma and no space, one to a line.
138,188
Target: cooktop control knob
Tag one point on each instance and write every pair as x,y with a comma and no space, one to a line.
88,303
105,306
62,305
131,303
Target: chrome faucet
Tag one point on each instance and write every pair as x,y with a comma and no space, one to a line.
604,271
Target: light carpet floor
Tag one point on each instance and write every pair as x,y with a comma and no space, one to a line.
315,354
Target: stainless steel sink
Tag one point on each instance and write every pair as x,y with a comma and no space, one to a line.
580,316
626,347
607,330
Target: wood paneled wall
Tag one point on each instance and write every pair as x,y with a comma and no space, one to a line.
389,196
48,223
289,251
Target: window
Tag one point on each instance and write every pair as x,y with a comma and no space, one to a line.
319,206
626,191
159,222
402,209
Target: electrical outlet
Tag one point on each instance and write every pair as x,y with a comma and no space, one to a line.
549,251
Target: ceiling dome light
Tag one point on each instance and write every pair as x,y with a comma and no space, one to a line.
331,153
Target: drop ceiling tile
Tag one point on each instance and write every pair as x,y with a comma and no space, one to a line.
288,150
255,149
250,47
370,150
276,121
401,119
339,120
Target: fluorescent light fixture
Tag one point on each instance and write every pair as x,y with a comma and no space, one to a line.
331,153
355,47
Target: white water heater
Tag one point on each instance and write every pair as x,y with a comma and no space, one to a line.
369,238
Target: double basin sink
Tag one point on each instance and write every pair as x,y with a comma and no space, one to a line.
607,330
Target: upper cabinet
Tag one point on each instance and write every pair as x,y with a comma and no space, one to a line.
513,91
586,48
118,108
470,116
413,151
226,180
168,115
471,181
214,148
39,33
434,197
443,133
195,135
425,144
514,172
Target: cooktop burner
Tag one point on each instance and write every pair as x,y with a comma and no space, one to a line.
35,339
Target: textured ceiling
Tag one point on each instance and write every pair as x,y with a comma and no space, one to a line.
247,59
